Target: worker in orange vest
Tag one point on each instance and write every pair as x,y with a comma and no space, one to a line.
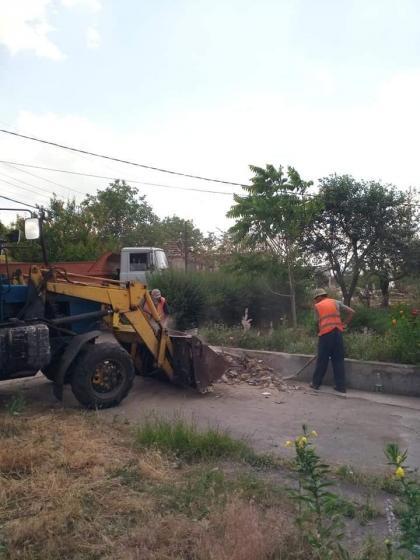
161,306
330,341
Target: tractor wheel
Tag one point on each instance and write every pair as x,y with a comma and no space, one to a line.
50,371
102,375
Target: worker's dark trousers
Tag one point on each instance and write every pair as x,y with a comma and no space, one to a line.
330,345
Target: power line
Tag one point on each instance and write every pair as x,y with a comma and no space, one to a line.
18,202
24,188
21,181
228,193
80,151
43,178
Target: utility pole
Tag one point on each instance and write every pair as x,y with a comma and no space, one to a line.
185,246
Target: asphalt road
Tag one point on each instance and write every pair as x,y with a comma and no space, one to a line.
352,430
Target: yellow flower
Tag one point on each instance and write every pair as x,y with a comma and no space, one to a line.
302,441
288,443
394,322
399,472
399,459
313,433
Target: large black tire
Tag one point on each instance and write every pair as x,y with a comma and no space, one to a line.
50,372
102,375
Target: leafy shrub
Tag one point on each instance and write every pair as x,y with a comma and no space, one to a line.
376,320
405,335
186,295
201,297
409,518
359,346
320,511
369,347
281,340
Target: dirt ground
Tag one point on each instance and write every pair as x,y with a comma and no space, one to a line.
353,429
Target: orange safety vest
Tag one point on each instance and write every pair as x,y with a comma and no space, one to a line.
159,308
328,316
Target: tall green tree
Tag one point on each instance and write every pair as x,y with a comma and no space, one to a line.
358,228
119,215
116,216
395,260
272,215
67,232
182,233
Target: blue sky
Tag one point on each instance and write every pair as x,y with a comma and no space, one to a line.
209,87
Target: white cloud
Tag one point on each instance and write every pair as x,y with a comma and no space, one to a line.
92,5
24,27
373,140
93,38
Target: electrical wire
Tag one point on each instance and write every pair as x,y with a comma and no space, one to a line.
21,181
24,189
108,178
112,158
43,178
18,202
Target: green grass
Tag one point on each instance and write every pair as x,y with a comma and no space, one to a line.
16,404
368,346
342,506
266,493
282,340
387,483
367,512
196,494
187,442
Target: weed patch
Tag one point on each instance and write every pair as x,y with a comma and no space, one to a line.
373,482
16,404
186,442
74,487
195,496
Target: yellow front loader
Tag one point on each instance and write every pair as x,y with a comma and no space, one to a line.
55,329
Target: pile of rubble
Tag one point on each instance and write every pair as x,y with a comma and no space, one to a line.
243,369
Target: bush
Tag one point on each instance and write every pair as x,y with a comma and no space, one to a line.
370,347
391,347
376,320
186,295
219,297
405,335
282,340
409,518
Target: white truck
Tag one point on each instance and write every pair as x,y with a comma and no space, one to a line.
136,262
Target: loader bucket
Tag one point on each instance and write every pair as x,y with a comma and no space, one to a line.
195,363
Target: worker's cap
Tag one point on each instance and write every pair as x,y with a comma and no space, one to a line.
319,292
156,293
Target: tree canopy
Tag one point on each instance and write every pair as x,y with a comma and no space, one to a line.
114,217
361,226
273,215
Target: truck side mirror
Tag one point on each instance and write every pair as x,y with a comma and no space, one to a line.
32,230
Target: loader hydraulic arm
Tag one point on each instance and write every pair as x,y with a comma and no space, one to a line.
127,316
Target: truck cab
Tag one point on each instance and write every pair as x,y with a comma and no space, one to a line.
136,262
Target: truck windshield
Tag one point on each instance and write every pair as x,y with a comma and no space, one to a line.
139,261
161,260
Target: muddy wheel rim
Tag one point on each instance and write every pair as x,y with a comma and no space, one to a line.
107,377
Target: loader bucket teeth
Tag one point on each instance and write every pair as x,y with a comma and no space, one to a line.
195,363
